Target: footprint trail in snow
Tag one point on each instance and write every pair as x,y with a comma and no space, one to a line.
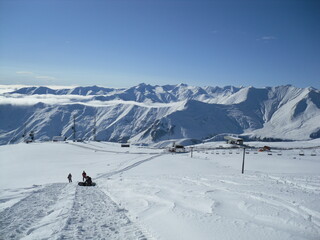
19,220
95,216
65,211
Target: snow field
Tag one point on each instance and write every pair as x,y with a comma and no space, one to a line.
208,196
149,194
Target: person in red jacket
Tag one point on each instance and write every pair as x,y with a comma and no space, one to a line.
84,176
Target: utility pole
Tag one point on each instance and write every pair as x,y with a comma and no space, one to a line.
24,130
244,155
94,128
74,128
31,135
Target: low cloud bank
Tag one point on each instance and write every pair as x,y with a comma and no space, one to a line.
20,99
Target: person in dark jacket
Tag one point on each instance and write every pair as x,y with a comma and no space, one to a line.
70,178
88,181
84,176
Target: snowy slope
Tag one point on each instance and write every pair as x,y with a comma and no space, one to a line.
146,193
149,114
295,117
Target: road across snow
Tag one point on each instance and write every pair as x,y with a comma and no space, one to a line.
147,194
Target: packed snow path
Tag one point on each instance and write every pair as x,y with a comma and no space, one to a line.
19,220
95,216
83,213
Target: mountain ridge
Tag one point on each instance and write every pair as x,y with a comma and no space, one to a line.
149,114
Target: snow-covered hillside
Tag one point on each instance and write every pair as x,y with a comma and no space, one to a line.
145,194
150,114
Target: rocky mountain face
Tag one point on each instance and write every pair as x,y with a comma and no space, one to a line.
150,114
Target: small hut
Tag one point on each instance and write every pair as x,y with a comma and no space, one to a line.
234,140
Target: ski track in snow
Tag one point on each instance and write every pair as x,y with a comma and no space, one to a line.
127,168
18,221
109,151
88,214
76,213
95,216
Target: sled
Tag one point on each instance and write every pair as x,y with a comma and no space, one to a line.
86,185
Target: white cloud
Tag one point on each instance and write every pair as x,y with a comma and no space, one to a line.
10,88
20,99
267,38
24,73
45,77
50,99
35,75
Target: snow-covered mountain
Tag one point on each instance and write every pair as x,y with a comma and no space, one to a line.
149,114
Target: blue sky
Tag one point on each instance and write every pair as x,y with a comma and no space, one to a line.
124,43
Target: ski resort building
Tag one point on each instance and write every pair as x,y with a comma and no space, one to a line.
234,140
58,139
177,149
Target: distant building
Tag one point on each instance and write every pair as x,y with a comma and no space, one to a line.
59,139
265,148
234,140
125,145
177,149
